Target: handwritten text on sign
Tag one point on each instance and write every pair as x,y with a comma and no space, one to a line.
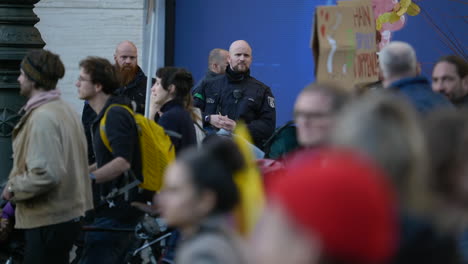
365,65
364,41
362,16
346,44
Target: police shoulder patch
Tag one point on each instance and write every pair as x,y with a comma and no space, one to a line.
271,101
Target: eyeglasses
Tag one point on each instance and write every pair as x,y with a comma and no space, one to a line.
83,80
311,115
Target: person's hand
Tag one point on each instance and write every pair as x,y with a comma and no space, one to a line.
216,121
149,209
7,195
227,123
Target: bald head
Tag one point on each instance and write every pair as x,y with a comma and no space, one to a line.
239,43
126,54
240,56
124,45
398,60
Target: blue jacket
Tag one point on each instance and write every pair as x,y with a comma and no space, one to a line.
419,92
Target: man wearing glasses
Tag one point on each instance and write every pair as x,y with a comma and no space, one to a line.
132,84
115,168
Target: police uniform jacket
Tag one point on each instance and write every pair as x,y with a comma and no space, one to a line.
240,97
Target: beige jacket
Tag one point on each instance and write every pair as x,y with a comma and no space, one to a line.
49,179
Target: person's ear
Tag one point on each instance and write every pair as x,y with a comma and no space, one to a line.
216,67
171,89
418,68
34,84
207,202
98,87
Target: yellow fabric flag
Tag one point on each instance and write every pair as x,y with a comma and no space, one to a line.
249,183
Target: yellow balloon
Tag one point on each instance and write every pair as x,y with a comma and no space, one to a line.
404,4
413,9
390,17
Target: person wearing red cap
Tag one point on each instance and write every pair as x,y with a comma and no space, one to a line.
334,207
388,130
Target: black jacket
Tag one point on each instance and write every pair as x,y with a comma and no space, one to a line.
209,75
240,97
175,118
135,91
122,133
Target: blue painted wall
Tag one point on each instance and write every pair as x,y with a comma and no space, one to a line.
451,16
279,32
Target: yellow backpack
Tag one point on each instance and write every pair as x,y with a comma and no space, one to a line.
156,147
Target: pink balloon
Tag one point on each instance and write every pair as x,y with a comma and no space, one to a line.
394,26
383,6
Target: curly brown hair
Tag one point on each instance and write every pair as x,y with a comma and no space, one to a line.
102,72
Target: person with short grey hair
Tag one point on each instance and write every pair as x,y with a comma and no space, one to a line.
397,61
218,60
217,63
399,67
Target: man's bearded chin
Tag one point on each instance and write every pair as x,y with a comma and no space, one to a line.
126,74
240,68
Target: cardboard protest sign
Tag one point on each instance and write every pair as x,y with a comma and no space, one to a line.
344,44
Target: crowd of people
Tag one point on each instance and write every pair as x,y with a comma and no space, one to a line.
379,176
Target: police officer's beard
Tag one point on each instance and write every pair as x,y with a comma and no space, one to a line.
240,68
126,74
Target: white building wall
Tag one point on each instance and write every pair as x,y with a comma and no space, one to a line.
80,28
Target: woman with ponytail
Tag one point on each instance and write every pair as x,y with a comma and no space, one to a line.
171,96
198,196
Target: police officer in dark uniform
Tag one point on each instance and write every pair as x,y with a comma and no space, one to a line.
238,96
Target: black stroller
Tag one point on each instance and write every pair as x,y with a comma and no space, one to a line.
152,235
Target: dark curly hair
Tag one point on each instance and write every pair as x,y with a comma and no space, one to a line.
183,82
101,71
